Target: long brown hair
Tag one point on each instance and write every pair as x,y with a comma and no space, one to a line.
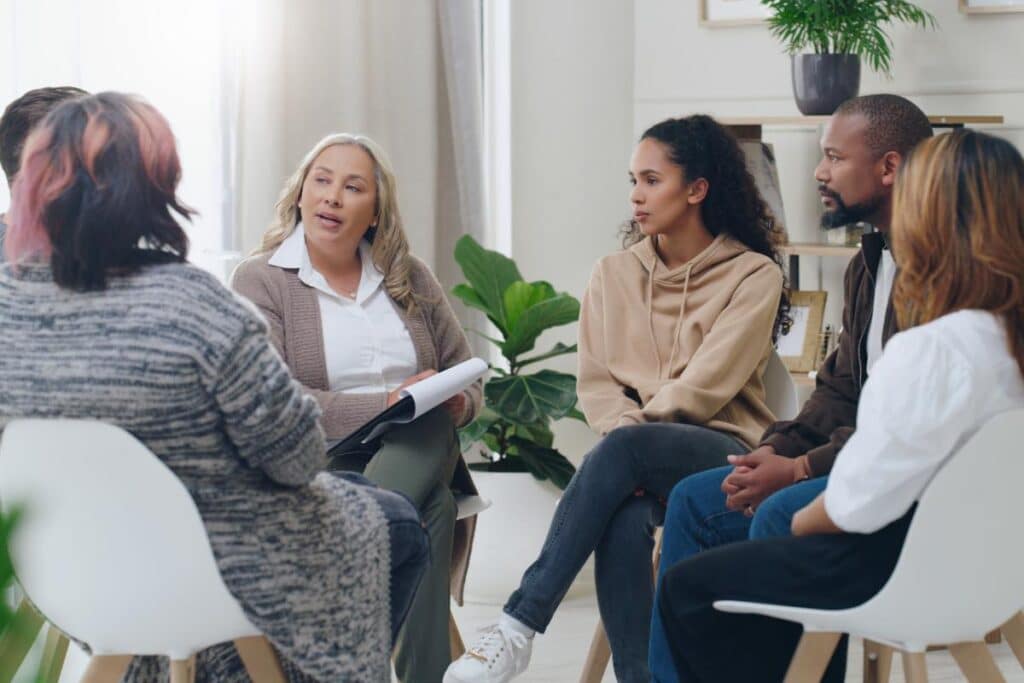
958,232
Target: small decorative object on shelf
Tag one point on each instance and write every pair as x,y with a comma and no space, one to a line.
826,344
846,235
799,347
839,33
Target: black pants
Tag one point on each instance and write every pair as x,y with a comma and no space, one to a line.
826,572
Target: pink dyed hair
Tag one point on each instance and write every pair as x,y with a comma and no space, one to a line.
52,159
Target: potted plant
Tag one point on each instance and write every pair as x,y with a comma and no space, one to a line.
839,32
522,473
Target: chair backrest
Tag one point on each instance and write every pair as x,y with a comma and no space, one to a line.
780,391
959,573
110,546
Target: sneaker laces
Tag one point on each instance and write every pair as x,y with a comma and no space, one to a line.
494,637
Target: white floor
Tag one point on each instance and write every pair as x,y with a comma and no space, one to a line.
558,654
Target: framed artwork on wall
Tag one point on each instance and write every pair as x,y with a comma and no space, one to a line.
717,13
991,6
798,348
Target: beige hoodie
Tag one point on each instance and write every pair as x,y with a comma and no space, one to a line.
691,344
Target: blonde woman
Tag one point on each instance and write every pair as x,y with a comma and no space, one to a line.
356,317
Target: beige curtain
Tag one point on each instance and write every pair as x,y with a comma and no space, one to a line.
404,72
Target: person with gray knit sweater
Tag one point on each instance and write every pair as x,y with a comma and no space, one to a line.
103,319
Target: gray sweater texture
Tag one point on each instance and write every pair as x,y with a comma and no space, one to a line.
187,367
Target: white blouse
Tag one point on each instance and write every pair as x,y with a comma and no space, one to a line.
932,388
367,347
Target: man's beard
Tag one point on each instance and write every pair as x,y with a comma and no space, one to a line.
865,212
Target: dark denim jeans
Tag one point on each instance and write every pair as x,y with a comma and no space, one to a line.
698,520
410,546
610,508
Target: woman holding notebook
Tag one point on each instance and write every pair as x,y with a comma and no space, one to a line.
357,318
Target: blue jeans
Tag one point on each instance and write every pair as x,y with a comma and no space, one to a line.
410,546
611,508
697,520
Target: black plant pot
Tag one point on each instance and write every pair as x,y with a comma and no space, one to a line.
823,82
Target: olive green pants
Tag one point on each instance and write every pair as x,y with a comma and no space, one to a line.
418,459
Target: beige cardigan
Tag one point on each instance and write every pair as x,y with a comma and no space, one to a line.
293,315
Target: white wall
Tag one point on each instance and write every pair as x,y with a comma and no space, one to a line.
572,118
971,65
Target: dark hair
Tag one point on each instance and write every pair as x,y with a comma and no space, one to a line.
97,190
703,148
24,114
895,124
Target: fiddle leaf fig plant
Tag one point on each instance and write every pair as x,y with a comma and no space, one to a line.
515,423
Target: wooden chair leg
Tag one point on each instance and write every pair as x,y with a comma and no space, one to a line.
1013,631
812,655
597,658
18,638
915,669
183,670
877,662
260,660
106,668
54,652
976,662
458,648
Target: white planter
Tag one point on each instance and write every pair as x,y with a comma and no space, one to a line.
509,536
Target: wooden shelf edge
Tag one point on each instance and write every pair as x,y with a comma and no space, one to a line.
936,120
816,249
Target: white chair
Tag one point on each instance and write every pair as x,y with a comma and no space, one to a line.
112,550
467,506
781,398
957,577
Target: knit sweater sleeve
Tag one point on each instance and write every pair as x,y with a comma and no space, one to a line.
265,413
449,339
727,356
601,396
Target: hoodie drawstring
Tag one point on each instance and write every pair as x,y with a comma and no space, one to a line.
679,320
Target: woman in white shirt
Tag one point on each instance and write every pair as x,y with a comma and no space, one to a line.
357,318
958,240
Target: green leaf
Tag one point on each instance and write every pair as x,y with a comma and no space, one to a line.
575,414
530,398
476,429
537,432
522,295
560,310
489,274
558,349
545,463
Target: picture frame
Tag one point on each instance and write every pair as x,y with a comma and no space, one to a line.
990,6
725,13
798,348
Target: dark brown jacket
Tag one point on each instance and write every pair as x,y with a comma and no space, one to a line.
830,414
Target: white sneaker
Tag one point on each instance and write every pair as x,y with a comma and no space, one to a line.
500,654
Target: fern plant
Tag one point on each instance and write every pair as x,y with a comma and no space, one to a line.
844,26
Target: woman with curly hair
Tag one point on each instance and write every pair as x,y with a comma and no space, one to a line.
675,333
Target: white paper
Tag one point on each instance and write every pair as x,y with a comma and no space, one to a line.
436,389
431,392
